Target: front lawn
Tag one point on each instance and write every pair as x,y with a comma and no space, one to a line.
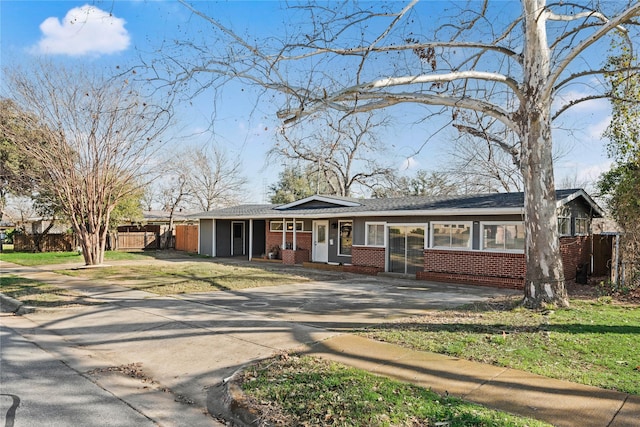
186,277
51,258
594,342
305,391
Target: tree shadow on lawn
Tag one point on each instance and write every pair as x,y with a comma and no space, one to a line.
504,315
37,294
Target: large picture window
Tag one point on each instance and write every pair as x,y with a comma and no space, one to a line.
375,234
345,228
503,236
451,235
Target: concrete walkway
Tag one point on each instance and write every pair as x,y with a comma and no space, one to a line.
187,347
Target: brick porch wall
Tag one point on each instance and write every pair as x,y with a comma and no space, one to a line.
291,257
274,238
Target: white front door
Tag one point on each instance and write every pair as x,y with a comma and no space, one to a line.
320,241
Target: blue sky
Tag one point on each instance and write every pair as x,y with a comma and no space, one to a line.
118,31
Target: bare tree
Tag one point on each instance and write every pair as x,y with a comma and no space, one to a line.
483,167
341,148
92,135
354,58
215,179
174,193
424,183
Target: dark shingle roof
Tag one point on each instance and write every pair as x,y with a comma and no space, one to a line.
493,202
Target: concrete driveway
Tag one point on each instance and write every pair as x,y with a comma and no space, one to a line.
339,303
185,346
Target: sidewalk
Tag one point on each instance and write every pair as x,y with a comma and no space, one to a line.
560,403
189,328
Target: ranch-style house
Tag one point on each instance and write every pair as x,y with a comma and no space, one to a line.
472,239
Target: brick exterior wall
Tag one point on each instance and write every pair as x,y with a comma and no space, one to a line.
368,256
506,270
575,250
474,267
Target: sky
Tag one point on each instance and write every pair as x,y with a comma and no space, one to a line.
115,32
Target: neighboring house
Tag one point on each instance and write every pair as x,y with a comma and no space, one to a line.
38,225
475,239
58,237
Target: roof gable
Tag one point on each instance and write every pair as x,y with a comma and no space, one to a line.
318,202
565,196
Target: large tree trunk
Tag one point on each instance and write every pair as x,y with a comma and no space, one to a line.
544,283
93,239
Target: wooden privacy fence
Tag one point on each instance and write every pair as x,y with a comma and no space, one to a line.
49,243
137,240
187,238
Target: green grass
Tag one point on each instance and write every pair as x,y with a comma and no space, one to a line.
186,277
292,390
37,294
594,342
50,258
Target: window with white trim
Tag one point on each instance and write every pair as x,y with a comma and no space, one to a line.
451,235
375,234
582,226
564,223
507,236
345,237
277,226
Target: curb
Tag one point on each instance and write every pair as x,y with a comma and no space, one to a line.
11,305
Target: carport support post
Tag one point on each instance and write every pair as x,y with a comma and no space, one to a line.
250,239
284,235
293,245
213,239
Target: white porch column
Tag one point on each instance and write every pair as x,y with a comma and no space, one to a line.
213,239
294,244
284,234
250,238
199,228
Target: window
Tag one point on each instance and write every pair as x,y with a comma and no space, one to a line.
345,228
582,226
277,226
564,225
451,235
375,234
564,221
503,236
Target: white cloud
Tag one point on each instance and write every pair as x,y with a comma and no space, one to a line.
85,30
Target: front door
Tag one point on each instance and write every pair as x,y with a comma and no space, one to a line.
320,241
406,248
237,238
